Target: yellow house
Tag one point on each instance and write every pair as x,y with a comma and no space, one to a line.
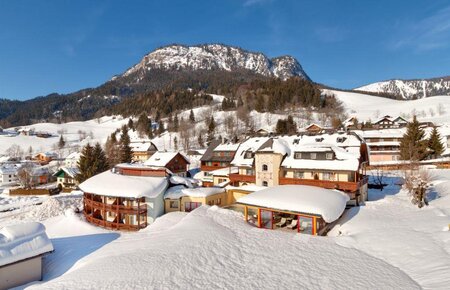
180,198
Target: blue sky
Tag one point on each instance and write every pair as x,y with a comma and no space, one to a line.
62,46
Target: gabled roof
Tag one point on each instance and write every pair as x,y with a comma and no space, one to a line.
161,159
250,145
71,171
142,146
74,156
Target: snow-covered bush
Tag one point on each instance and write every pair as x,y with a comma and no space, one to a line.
417,183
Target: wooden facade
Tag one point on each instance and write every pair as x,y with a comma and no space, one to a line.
129,214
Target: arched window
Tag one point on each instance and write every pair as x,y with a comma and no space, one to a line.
264,183
264,167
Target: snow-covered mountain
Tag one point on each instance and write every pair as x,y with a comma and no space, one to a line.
216,56
410,89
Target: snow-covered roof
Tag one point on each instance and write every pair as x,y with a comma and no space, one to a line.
227,147
278,145
73,156
112,184
9,168
141,146
250,145
330,204
22,241
224,171
382,133
248,187
161,159
71,171
188,182
179,191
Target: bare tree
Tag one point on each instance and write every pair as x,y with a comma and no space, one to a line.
441,109
417,183
15,151
378,178
230,125
25,175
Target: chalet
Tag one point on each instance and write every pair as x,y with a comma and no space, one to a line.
388,122
176,162
44,158
314,129
21,249
66,178
26,131
301,208
126,198
263,132
351,123
43,134
181,198
142,150
217,156
72,159
39,175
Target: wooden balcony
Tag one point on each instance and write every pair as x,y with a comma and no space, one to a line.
141,209
329,184
234,177
112,225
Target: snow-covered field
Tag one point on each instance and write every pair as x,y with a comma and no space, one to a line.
386,244
364,107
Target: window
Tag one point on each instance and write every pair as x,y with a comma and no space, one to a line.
327,176
299,174
313,155
329,156
219,201
209,163
248,155
265,167
298,155
249,172
190,206
264,183
174,204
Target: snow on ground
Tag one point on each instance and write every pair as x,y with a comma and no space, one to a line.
208,248
100,128
390,228
366,107
388,243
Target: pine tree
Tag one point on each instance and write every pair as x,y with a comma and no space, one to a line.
413,146
100,163
131,124
192,117
434,142
144,125
61,142
126,155
175,143
175,123
85,164
211,128
200,141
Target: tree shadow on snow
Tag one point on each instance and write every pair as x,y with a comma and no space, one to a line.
70,250
393,187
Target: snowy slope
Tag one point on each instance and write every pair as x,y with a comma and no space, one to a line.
366,107
408,89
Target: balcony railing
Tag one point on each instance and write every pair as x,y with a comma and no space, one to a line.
329,184
234,177
141,209
112,225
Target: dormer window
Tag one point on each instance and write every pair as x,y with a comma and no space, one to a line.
248,155
297,155
313,155
329,156
319,139
340,139
296,141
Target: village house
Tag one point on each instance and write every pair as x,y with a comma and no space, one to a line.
384,144
217,156
388,122
71,161
66,178
8,173
21,249
128,197
294,208
44,158
314,129
176,162
182,198
142,150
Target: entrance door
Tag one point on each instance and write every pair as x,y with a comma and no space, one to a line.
266,219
